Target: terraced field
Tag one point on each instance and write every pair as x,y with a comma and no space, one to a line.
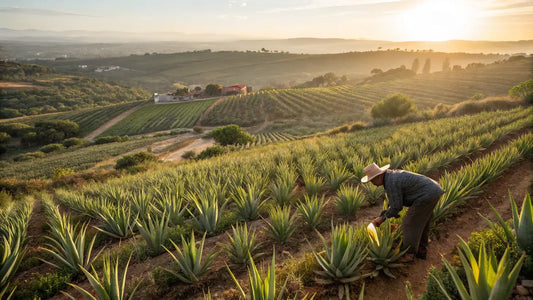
158,117
87,119
333,106
270,138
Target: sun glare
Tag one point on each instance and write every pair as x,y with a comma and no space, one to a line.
437,20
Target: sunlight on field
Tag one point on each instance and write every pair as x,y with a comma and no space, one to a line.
438,20
17,85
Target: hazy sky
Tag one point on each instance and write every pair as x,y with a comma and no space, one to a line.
397,20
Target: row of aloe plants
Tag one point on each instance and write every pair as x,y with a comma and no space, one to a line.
207,203
14,222
350,249
143,206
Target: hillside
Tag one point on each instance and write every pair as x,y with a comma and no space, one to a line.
32,90
477,159
320,108
158,72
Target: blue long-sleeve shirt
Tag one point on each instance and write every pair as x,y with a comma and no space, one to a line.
408,189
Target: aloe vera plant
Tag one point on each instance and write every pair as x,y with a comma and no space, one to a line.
154,230
348,201
381,250
313,183
522,225
117,222
110,286
282,193
190,259
171,201
373,193
260,288
12,246
342,262
282,225
208,212
336,175
487,278
68,243
242,245
248,201
310,210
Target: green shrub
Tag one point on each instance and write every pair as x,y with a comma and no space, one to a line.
15,129
231,135
73,142
42,287
128,161
433,291
198,129
4,137
393,106
5,199
357,126
29,156
189,154
108,139
477,106
51,148
211,152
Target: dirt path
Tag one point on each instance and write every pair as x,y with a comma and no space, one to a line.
197,146
111,122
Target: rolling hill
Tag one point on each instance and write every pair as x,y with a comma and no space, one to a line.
319,108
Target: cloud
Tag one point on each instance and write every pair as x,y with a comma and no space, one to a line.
38,11
323,4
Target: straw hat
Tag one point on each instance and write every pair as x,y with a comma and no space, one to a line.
372,171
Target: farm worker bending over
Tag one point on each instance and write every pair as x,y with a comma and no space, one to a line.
416,191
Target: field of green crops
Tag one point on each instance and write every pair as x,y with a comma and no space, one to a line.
270,138
328,107
278,194
158,117
76,159
87,119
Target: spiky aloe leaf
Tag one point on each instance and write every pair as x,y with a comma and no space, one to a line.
524,224
282,225
242,245
110,286
487,278
310,210
382,252
191,263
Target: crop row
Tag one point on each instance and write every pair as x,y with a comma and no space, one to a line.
76,159
332,102
160,117
268,138
207,198
14,222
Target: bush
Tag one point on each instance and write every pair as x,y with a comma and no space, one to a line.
523,91
433,291
211,152
231,135
73,142
488,104
4,137
42,287
51,148
15,129
29,156
108,139
189,154
129,161
393,106
359,125
3,149
61,173
198,129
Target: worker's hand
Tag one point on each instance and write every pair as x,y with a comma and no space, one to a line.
378,221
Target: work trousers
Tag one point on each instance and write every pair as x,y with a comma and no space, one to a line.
415,225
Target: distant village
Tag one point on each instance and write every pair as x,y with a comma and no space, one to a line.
211,90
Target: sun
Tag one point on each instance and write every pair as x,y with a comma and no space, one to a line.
438,20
